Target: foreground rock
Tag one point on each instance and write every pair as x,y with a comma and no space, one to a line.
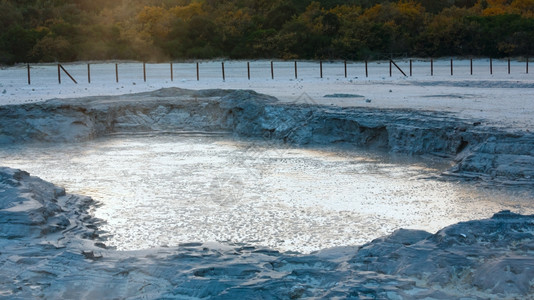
479,152
51,249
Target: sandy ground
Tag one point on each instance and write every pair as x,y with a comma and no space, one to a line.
504,100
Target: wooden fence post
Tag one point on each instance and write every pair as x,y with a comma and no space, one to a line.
431,67
223,75
366,69
471,65
29,78
508,65
345,65
390,69
321,68
59,68
527,64
410,67
248,70
198,72
452,68
144,71
172,73
396,66
88,73
117,73
272,70
296,74
58,74
491,66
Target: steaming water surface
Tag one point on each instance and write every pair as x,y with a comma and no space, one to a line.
169,189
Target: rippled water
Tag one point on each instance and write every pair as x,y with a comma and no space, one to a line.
168,189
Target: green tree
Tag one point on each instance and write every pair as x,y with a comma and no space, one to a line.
16,44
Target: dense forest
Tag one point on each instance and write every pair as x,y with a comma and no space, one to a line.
156,30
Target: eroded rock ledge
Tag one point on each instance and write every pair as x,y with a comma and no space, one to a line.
50,249
480,152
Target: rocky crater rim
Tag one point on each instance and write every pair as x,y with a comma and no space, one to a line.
53,246
479,152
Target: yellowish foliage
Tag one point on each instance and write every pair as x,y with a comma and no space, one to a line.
151,14
155,21
374,12
410,8
345,11
495,7
524,7
187,12
234,22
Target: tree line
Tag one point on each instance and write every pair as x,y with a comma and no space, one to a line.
157,30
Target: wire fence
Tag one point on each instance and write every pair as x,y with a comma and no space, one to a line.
254,70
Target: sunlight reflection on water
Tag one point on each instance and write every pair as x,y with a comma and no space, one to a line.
169,189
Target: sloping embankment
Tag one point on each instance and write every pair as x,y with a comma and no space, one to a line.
479,152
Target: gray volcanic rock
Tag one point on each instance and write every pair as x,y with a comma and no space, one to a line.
31,207
493,255
508,156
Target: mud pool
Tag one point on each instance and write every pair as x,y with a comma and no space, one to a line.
167,189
